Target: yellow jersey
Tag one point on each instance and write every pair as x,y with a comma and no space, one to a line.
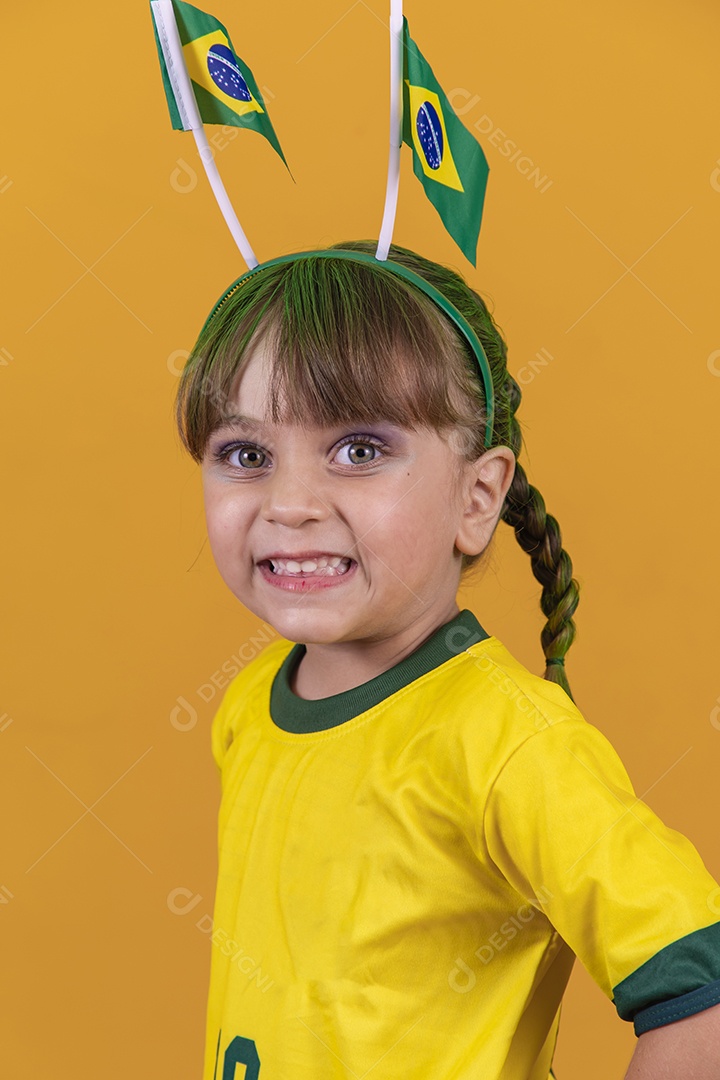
407,871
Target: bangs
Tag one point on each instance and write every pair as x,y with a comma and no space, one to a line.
348,342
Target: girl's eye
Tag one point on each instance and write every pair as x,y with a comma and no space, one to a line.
359,451
248,456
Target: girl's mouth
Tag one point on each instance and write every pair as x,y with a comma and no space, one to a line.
307,574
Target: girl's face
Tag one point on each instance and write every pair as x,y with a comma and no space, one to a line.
384,500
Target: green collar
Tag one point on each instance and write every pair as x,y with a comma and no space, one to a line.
300,716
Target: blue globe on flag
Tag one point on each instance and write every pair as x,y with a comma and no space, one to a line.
225,73
430,134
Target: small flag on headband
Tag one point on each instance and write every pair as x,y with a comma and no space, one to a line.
447,160
224,87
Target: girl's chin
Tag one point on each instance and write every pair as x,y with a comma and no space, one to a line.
311,625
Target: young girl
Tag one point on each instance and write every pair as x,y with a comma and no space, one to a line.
417,835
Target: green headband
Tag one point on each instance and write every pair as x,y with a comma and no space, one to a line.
420,283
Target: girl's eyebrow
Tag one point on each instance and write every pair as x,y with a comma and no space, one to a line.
237,420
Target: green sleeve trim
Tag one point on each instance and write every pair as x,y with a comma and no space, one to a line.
685,974
301,716
677,1009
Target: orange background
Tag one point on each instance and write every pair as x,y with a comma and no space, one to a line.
116,623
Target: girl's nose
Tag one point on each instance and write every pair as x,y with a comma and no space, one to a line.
292,499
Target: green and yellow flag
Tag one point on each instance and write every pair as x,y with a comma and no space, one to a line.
447,160
224,87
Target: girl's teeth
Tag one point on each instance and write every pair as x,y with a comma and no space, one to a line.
325,566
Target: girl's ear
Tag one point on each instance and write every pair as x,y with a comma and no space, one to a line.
483,488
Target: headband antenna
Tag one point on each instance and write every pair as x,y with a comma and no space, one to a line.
396,120
206,83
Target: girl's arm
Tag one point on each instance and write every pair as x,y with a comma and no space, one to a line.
688,1048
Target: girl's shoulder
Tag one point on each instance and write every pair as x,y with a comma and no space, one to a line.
488,710
487,689
258,660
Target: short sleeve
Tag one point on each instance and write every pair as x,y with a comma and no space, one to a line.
630,896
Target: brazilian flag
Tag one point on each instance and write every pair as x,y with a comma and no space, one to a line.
224,87
447,160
